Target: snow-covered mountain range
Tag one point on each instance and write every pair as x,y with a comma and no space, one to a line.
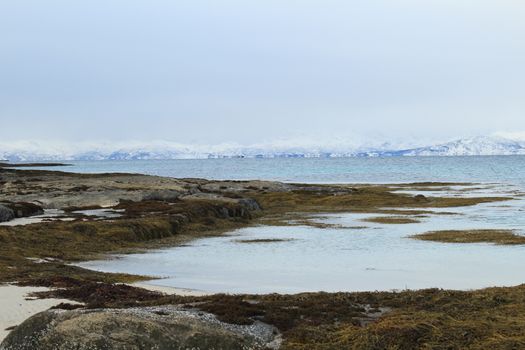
476,146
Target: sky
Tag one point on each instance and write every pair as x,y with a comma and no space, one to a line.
243,71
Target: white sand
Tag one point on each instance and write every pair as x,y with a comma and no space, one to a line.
171,290
14,308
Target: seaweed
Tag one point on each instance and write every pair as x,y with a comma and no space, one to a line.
499,237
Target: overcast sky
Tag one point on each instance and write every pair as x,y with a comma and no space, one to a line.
255,71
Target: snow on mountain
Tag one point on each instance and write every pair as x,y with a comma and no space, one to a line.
481,145
477,146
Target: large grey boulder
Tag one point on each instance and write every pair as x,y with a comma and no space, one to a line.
161,328
6,214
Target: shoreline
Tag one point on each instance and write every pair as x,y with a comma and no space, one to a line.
165,212
185,292
16,306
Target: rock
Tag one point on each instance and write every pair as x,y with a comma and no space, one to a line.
209,197
224,213
247,203
244,186
177,221
165,195
250,204
25,209
163,327
6,214
421,198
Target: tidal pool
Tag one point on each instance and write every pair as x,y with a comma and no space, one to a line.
359,256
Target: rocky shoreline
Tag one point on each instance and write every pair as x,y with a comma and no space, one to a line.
158,327
149,211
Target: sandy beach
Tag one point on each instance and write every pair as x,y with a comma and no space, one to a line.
171,290
15,306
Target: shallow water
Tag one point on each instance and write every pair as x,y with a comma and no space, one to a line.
359,256
101,213
49,215
376,257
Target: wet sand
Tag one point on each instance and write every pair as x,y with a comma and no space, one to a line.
171,290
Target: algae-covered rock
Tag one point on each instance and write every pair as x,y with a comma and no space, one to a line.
25,209
250,204
6,214
164,195
165,327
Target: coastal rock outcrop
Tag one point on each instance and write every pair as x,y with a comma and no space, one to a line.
25,209
162,327
250,204
243,186
165,195
6,214
10,211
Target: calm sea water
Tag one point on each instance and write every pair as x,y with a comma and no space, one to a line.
501,169
358,256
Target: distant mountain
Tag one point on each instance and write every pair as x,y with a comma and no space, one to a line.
476,146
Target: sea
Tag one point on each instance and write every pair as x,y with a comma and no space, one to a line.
353,255
500,169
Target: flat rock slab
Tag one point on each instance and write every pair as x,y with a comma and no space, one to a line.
164,327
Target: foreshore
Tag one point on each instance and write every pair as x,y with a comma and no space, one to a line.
104,214
17,303
16,306
171,290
